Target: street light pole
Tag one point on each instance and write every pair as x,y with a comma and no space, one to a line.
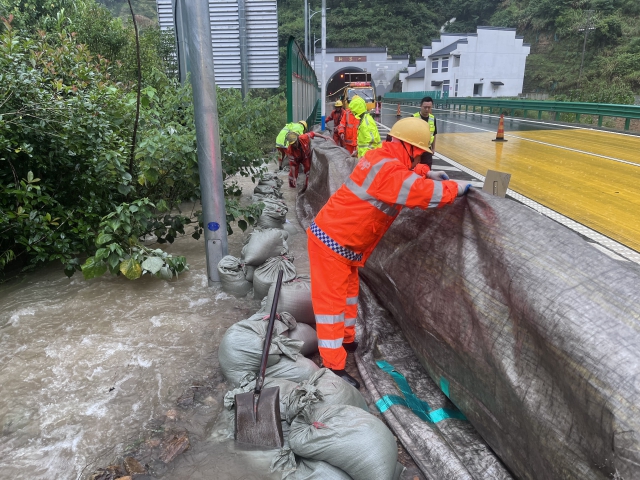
200,61
324,64
587,26
306,29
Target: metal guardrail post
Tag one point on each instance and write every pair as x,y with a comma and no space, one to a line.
244,56
196,15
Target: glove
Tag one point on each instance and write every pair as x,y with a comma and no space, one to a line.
463,187
280,167
438,176
342,137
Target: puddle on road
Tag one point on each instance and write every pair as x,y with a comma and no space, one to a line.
87,368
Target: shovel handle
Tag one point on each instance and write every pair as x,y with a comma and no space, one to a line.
267,338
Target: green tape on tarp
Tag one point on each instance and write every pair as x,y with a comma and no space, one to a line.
411,401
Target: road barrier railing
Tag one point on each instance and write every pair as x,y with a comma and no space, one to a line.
510,107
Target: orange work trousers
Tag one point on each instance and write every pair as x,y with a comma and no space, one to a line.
334,294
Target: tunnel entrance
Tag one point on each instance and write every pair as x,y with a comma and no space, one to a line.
337,82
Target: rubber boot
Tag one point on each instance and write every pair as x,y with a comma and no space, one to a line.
350,347
346,377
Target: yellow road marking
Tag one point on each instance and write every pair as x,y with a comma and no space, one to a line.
598,193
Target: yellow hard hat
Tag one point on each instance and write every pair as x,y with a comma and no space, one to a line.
304,124
414,131
291,137
339,103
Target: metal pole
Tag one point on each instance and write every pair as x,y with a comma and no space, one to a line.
244,64
306,29
323,88
196,14
181,46
587,26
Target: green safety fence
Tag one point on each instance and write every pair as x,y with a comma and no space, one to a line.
303,93
573,110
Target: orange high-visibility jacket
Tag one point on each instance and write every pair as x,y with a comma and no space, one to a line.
357,216
349,127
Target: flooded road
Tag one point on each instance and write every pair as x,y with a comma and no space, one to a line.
89,368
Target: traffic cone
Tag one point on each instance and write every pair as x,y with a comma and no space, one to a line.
500,134
398,114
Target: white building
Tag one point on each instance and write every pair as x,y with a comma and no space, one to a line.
489,63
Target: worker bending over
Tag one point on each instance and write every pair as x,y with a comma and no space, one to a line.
299,153
281,140
336,116
426,107
350,225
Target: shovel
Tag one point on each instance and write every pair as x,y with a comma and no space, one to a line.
258,412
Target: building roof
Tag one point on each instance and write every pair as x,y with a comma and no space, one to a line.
497,28
448,49
418,74
355,50
399,57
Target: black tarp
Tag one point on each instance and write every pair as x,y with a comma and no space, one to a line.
533,333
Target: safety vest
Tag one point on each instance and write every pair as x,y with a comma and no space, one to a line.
356,217
368,135
349,127
432,126
289,127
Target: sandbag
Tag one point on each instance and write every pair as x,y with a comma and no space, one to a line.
295,298
241,347
248,272
261,245
315,470
321,389
348,438
232,276
271,177
260,198
304,468
307,334
267,190
273,214
296,370
290,228
267,274
248,384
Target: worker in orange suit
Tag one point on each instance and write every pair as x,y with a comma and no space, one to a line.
299,153
350,225
336,116
348,131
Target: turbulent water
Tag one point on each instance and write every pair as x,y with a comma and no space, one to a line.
87,366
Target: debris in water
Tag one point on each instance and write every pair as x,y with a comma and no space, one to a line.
174,446
133,467
186,399
109,473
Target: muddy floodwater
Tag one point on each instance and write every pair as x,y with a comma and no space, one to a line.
91,369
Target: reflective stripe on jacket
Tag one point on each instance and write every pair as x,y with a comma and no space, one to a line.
364,207
432,126
289,127
368,135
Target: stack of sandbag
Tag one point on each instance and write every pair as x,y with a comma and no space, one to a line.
232,276
273,214
267,274
262,244
347,438
295,298
303,468
241,347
